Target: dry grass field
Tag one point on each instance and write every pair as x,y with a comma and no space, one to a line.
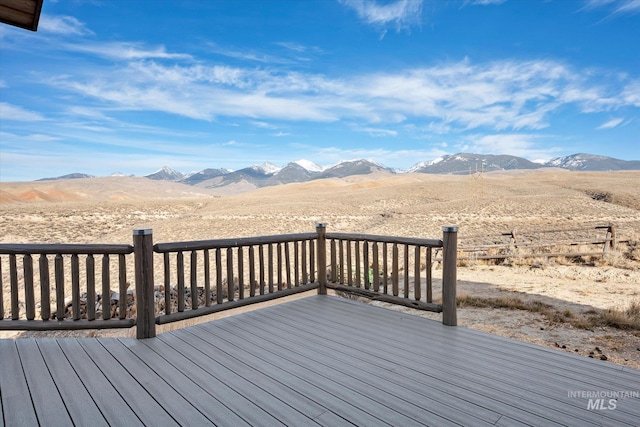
560,303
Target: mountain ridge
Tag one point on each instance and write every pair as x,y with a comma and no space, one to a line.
268,174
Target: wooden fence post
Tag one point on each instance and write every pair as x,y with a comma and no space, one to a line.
145,307
449,275
321,256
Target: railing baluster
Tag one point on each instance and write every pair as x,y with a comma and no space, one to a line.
358,265
417,290
394,269
349,266
429,279
252,271
167,283
279,252
180,268
296,269
385,263
261,266
365,263
29,294
240,273
270,260
312,261
13,277
376,268
287,264
91,287
194,280
230,289
207,279
406,271
334,262
122,287
219,299
59,268
305,273
341,257
75,286
106,288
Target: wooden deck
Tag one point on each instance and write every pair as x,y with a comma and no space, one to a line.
318,360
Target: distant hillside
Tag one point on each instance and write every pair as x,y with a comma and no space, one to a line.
69,176
226,181
463,163
353,167
590,162
166,174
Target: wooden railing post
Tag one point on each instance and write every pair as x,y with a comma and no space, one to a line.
321,255
145,307
449,275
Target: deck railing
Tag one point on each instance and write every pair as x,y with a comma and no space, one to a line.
68,314
208,276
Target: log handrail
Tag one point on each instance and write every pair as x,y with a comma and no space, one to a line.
231,243
363,259
298,261
63,249
432,243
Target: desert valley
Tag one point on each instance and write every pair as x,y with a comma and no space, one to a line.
496,296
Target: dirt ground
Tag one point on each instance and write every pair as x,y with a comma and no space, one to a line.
106,210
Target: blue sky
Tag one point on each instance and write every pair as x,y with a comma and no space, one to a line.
131,86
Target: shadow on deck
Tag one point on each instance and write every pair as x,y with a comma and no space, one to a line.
317,360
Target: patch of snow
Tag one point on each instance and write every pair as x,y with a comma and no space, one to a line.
309,165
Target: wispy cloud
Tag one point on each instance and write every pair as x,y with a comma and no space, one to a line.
524,145
610,124
66,25
125,51
501,95
377,132
13,112
487,2
401,14
614,7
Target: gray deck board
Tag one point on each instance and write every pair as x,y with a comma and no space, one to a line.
320,360
82,409
183,385
17,408
540,384
107,399
47,401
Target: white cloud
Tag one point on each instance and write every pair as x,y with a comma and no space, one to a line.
615,7
376,132
67,25
610,124
521,145
457,96
13,112
402,13
125,51
488,2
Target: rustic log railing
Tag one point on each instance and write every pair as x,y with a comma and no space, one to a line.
229,273
208,276
371,266
66,315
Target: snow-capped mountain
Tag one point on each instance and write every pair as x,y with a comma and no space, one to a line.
268,174
309,165
591,162
167,174
464,163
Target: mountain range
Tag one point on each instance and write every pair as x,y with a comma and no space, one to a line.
268,174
